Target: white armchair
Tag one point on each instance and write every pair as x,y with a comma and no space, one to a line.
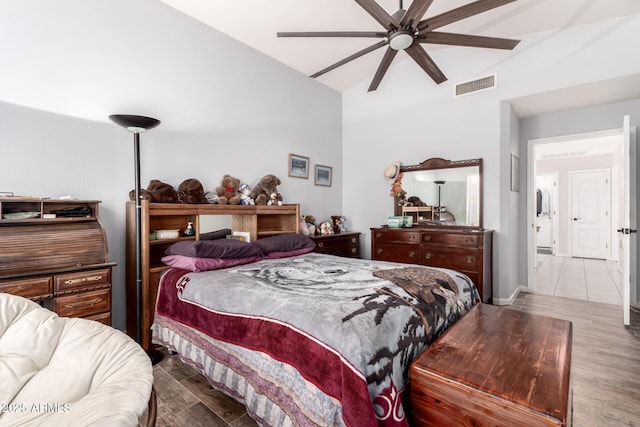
68,371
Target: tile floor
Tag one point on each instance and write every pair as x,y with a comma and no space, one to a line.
585,279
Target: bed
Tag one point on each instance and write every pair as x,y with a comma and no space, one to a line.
303,338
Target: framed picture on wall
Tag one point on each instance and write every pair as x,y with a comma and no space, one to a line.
298,166
323,175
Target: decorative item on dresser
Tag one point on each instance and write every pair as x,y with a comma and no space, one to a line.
55,252
467,251
257,220
341,244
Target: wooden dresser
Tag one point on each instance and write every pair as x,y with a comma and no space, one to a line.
55,252
340,244
259,221
467,251
495,367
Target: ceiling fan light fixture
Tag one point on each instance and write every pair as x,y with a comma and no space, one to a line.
400,40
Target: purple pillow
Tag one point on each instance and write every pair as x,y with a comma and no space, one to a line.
205,264
284,245
218,234
219,248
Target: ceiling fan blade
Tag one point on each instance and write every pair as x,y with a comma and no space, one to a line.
460,13
332,34
423,59
351,58
416,11
436,37
382,68
378,13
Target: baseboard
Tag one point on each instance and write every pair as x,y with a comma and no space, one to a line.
512,298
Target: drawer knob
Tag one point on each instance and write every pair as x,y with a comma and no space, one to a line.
412,254
427,238
469,259
468,240
82,280
83,304
378,235
354,250
378,251
354,240
320,245
427,255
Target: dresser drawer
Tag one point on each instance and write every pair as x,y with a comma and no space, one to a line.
396,236
83,304
104,318
34,288
396,253
469,240
452,258
82,280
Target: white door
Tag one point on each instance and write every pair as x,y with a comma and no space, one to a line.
589,213
627,243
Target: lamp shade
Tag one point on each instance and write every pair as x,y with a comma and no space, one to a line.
134,123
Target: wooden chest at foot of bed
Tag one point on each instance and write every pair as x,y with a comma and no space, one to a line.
495,367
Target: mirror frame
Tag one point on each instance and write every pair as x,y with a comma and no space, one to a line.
435,163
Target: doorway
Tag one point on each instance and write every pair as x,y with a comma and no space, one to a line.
559,254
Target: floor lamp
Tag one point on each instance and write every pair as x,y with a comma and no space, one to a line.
439,184
137,125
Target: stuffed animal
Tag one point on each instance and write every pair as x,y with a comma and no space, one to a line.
245,195
191,191
338,223
326,228
415,201
227,191
157,192
275,199
262,191
304,228
311,224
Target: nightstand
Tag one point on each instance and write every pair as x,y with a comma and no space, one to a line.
340,244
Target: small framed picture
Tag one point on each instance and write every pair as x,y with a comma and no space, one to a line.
298,166
323,175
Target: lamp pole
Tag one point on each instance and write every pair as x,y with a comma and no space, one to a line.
136,125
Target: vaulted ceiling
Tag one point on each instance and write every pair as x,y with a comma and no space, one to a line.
256,22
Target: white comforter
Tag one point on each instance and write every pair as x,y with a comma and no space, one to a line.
67,372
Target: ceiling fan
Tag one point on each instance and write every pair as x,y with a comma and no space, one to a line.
405,31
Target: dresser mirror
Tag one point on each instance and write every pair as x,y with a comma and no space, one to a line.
440,192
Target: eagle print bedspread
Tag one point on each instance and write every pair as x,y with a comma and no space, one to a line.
350,327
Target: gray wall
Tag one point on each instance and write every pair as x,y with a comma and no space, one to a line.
224,107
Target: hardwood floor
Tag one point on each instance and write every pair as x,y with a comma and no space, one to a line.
605,371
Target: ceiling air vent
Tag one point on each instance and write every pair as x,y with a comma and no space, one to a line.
477,85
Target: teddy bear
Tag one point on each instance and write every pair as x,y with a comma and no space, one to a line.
262,191
157,192
245,195
191,191
275,199
311,224
227,191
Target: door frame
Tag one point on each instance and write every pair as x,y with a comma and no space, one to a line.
530,195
